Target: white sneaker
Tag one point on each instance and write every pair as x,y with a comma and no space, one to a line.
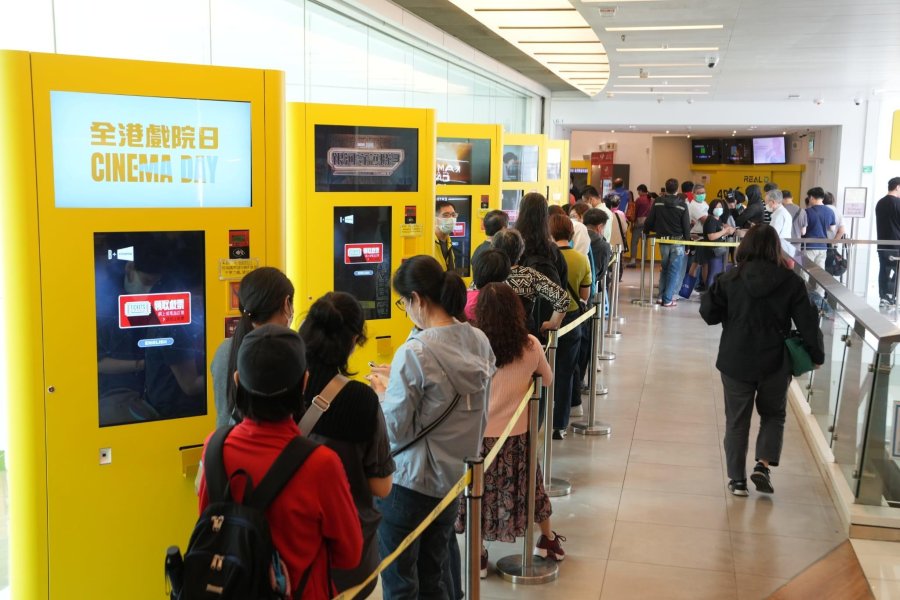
577,411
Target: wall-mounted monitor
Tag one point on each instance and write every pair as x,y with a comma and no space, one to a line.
463,161
366,159
769,151
117,151
362,257
706,152
509,203
737,151
520,163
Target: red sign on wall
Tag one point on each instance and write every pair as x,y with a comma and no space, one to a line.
363,253
154,310
459,230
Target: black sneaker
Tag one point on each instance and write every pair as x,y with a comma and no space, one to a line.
738,487
559,434
760,478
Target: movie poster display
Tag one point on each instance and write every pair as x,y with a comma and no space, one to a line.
520,163
362,257
461,238
463,161
151,325
366,159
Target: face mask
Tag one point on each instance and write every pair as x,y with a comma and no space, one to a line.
446,224
701,197
717,212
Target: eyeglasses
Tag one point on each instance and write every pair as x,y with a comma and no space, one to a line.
449,215
400,304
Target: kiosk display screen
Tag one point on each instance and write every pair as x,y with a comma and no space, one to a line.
520,163
463,161
737,151
509,203
151,325
706,152
769,151
554,164
366,159
461,238
362,257
115,151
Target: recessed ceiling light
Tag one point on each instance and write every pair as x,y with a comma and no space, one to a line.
612,130
665,77
671,49
661,85
734,132
784,133
667,131
665,28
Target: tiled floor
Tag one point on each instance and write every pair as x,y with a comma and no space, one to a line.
649,516
881,563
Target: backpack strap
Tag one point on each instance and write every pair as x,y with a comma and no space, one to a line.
280,473
214,465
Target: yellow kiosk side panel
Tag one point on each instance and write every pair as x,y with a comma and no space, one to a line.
119,494
344,219
27,457
274,167
557,172
484,195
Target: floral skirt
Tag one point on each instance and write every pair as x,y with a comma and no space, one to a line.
504,504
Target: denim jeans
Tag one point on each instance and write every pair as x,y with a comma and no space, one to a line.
672,257
420,571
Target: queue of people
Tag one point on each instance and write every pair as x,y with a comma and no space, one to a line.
399,442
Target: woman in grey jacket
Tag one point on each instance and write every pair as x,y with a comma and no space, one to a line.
442,373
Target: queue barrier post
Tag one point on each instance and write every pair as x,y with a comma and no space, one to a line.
555,487
611,332
592,427
598,350
640,301
525,569
620,251
652,270
474,493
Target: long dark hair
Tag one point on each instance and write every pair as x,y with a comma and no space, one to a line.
261,296
334,324
760,244
500,316
423,274
532,223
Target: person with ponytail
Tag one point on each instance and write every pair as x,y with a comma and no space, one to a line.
435,407
266,296
353,425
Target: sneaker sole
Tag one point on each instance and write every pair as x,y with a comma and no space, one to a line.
741,493
542,553
762,483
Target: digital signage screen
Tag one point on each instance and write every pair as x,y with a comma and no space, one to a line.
509,203
737,151
554,164
151,325
463,161
461,238
769,151
706,152
520,163
362,257
115,151
366,159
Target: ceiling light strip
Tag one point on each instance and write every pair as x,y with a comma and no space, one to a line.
662,93
665,28
671,49
665,77
661,85
543,27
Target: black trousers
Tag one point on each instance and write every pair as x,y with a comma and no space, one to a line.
887,274
769,395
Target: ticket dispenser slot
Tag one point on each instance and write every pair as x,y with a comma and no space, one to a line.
360,188
138,173
467,173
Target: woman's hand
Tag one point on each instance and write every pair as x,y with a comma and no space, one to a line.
377,382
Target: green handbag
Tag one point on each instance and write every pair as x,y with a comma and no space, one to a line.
800,359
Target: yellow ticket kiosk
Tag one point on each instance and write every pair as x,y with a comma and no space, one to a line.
467,173
134,194
524,169
557,173
360,199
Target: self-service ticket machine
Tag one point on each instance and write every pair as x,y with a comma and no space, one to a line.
360,199
134,195
558,172
467,172
523,170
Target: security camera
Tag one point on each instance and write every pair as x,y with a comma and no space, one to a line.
857,101
712,61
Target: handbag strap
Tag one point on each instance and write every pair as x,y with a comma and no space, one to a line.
429,428
321,403
621,232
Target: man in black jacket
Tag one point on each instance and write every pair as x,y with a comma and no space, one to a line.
753,214
887,224
670,220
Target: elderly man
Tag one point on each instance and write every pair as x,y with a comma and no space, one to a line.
781,219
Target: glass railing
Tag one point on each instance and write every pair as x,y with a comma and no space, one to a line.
854,395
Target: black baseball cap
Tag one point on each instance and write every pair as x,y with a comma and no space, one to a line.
271,361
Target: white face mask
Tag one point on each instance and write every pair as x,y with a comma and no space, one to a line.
446,224
717,212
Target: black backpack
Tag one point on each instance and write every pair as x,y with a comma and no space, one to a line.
541,310
230,554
